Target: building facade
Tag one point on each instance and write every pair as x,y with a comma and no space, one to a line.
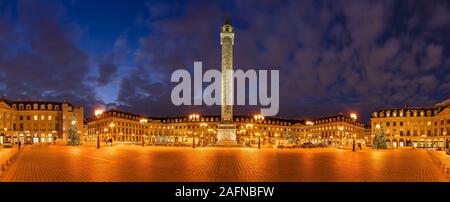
413,126
125,127
31,122
337,130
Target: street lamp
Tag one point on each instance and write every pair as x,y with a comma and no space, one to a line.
259,118
112,125
97,112
353,116
143,121
210,136
340,134
193,117
105,133
249,126
445,142
203,126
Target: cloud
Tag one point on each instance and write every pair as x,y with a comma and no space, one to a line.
39,59
109,63
333,55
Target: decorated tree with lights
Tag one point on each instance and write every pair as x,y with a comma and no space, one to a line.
74,137
379,140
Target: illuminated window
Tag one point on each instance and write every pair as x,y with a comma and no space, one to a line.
35,117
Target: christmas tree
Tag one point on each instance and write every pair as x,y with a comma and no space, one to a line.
375,141
379,140
74,137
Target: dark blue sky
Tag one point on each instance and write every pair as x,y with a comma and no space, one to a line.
333,56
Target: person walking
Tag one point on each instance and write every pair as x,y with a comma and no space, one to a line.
20,143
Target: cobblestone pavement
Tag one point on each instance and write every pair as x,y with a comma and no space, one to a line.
135,163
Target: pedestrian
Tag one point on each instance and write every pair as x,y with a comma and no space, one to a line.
20,143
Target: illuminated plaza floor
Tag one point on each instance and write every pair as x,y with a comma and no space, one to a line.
134,163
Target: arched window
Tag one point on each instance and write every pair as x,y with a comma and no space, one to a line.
28,106
14,106
57,107
35,106
20,106
42,107
49,107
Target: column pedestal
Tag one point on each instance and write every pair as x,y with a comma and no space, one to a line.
226,135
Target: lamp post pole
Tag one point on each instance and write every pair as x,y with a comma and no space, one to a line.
97,113
203,125
98,140
111,131
259,118
193,118
354,146
445,143
340,134
249,127
143,121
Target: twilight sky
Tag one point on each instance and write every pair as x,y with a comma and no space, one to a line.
333,56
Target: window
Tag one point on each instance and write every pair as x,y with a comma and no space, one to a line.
387,123
28,118
49,118
401,123
35,117
394,123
